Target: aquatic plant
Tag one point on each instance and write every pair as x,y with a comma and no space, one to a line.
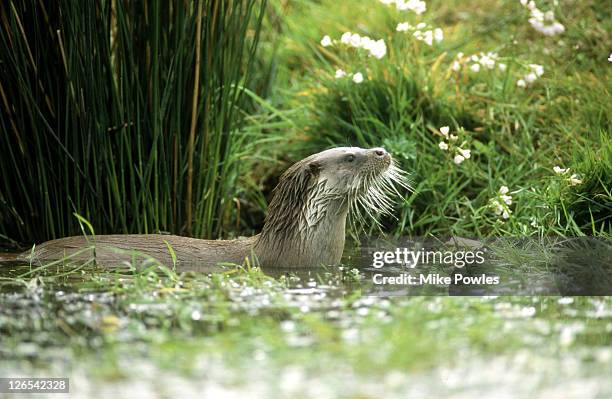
125,112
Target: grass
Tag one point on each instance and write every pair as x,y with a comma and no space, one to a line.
516,135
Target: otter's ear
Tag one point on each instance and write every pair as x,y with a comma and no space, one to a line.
297,181
291,195
307,175
313,168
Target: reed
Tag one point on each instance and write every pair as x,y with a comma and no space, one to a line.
124,112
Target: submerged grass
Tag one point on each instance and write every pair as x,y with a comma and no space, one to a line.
243,331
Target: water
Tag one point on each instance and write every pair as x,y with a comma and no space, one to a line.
159,334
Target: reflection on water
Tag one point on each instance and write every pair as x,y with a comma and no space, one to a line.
494,266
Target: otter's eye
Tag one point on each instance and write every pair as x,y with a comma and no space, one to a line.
349,158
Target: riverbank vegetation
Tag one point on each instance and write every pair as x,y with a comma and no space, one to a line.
498,109
470,102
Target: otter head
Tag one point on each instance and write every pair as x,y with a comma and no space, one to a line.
307,215
346,171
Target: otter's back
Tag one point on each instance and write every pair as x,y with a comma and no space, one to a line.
114,250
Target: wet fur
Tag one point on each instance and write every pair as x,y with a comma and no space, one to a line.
305,225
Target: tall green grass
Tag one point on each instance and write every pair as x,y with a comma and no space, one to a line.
516,135
125,112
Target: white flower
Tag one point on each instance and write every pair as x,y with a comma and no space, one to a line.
544,23
443,146
421,25
403,27
453,137
610,57
502,67
498,207
287,325
458,159
346,38
428,37
575,180
554,29
531,77
358,77
537,69
444,130
377,48
326,41
340,73
457,66
537,15
559,170
487,62
558,28
465,153
416,6
475,67
523,3
419,7
521,83
438,35
502,207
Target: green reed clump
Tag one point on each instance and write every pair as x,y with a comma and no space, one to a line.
125,112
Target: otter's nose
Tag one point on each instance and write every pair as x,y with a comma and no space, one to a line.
380,152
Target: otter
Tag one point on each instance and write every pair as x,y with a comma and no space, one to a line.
305,225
